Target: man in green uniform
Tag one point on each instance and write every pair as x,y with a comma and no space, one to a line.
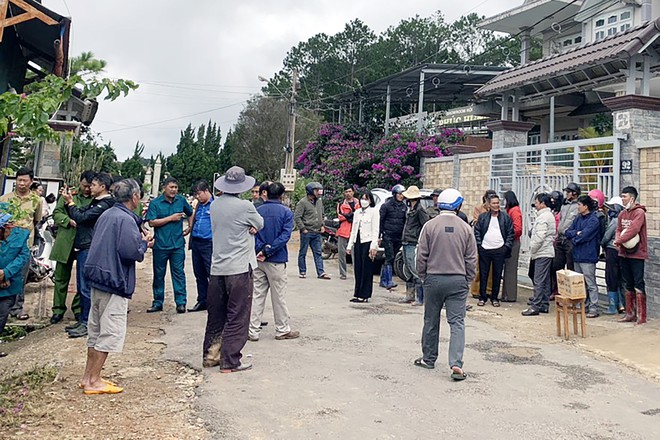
63,252
165,214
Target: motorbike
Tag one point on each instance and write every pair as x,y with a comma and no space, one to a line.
41,266
330,246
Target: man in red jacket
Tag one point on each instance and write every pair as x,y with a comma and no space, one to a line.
631,239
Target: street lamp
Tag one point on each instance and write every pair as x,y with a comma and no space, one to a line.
288,174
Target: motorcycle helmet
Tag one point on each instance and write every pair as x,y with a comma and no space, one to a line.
398,189
557,200
450,199
598,196
311,186
573,187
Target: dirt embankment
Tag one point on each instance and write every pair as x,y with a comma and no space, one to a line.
39,381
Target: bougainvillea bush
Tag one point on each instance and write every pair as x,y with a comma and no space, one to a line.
341,156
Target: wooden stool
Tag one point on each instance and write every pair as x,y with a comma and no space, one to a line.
575,307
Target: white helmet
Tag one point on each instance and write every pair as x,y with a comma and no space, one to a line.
450,199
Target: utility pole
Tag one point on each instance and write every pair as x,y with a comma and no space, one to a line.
288,174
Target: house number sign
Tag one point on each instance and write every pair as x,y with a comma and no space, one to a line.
626,166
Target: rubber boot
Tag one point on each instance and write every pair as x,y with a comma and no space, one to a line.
630,308
410,295
611,309
641,308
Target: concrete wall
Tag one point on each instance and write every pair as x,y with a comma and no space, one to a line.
649,195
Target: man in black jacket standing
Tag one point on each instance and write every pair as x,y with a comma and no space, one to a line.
392,220
415,219
494,234
85,219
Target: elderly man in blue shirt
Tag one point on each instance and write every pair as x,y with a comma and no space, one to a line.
201,242
165,214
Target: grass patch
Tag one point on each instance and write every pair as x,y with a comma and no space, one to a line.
21,393
13,333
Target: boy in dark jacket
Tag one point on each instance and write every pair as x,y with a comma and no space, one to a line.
416,217
392,221
585,235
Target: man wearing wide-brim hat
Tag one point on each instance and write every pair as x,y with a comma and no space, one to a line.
229,299
415,219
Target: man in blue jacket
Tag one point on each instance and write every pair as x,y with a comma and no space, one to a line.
272,256
14,255
585,234
110,271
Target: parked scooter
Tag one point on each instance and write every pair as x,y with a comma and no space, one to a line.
41,266
330,246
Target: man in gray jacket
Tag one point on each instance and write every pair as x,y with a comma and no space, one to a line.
447,264
564,246
542,254
234,223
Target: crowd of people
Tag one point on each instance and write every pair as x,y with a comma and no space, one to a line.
239,254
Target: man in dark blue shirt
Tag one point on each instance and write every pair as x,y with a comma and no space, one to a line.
272,256
201,242
165,214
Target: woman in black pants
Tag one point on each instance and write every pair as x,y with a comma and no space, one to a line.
363,245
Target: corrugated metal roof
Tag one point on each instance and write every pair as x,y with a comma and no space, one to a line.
588,56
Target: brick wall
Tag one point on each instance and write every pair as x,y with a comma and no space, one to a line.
649,195
439,173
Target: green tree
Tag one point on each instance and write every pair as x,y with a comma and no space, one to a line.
133,166
86,63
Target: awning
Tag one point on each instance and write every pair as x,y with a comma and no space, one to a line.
522,17
584,68
443,84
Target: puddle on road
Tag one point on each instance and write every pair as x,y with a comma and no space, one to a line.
575,377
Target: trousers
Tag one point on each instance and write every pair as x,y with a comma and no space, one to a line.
62,278
176,258
201,251
270,276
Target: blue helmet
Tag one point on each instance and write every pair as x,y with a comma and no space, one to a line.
4,219
398,189
450,199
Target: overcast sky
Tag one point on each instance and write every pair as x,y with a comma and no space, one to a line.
200,59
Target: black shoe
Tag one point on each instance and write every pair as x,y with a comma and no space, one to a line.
530,312
181,308
544,310
56,318
154,309
73,326
198,307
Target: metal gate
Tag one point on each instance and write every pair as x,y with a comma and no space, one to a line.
532,169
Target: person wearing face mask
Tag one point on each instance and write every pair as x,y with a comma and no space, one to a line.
585,236
392,220
631,239
363,245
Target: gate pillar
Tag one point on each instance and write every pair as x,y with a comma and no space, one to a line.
508,134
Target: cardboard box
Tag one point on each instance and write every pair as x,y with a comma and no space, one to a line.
571,284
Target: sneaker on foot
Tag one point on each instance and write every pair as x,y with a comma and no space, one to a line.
293,334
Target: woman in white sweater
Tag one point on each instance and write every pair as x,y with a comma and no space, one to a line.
363,245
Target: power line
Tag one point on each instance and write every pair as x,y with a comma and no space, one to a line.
173,119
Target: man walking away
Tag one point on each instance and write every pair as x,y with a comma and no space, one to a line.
345,210
165,214
446,263
270,273
229,300
392,220
201,242
30,203
494,234
416,217
63,252
110,271
86,219
542,253
308,218
632,241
